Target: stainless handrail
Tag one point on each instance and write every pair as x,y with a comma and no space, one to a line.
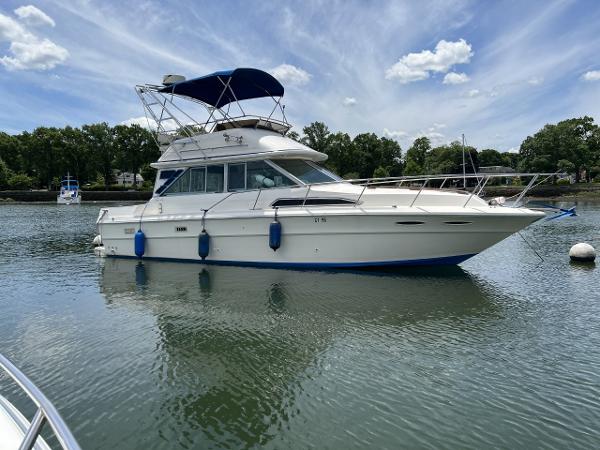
46,411
368,182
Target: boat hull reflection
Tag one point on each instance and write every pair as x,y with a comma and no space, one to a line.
236,347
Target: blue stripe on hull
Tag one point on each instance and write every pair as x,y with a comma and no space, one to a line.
446,260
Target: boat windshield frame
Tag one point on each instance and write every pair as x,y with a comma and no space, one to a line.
333,178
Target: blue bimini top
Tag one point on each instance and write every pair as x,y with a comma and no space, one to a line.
245,84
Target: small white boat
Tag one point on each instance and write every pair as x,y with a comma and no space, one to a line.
69,192
16,432
243,193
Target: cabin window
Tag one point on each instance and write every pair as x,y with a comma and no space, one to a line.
199,179
215,178
165,178
255,175
236,177
260,175
181,184
305,171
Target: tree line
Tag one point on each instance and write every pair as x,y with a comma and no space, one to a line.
571,146
92,153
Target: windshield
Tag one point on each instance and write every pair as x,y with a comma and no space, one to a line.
307,172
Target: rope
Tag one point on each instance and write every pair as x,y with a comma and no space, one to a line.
531,247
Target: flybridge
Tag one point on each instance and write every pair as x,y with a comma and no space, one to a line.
218,96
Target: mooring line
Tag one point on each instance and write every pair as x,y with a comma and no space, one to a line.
531,246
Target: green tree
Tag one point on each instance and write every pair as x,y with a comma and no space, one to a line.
448,159
374,152
491,157
574,140
100,139
391,156
4,174
566,166
416,156
77,156
10,152
135,146
316,136
341,152
46,154
381,172
20,181
511,160
148,173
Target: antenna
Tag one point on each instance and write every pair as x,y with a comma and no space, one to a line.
464,163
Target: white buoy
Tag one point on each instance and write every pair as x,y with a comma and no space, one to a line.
582,252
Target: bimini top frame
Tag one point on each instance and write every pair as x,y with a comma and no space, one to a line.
216,93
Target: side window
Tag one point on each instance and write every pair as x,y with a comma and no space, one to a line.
165,178
260,175
236,177
215,178
198,182
182,184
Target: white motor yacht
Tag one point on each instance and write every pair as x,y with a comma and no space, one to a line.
233,189
69,192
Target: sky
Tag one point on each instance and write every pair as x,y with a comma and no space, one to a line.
496,71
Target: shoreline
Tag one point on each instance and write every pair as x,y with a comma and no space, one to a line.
86,196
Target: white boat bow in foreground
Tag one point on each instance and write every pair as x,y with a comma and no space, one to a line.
16,432
246,194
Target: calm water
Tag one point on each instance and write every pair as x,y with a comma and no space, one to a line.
502,352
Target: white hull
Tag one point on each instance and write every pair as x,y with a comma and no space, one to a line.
68,200
319,237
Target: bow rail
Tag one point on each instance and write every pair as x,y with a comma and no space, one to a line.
46,412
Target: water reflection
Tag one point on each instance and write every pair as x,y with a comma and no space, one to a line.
235,345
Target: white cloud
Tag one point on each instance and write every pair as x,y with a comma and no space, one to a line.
434,137
534,81
473,93
28,51
11,30
456,78
592,75
513,150
439,125
349,101
149,123
34,16
37,55
288,74
417,66
394,134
